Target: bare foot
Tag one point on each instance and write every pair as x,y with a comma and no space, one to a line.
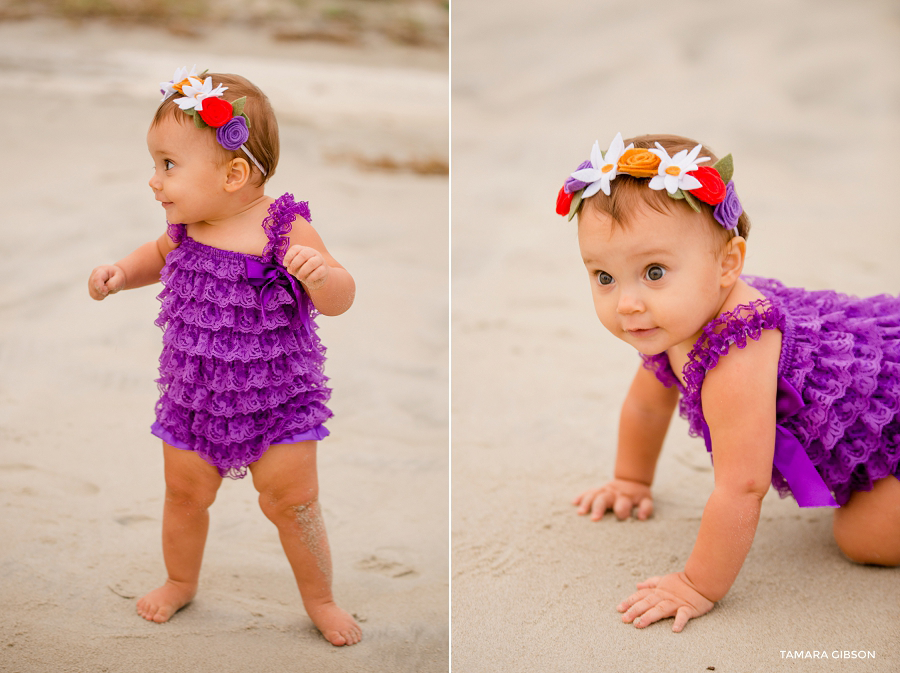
162,603
337,625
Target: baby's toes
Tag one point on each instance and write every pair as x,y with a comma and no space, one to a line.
353,636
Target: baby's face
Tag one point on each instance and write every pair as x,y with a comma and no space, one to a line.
656,281
187,178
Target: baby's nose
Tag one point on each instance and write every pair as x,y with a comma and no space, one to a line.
629,302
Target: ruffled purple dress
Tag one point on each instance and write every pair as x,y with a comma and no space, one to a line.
241,366
838,403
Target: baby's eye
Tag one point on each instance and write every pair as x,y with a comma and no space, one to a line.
604,278
167,164
655,272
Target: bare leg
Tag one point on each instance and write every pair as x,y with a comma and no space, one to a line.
288,488
191,486
867,528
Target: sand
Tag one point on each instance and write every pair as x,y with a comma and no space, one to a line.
805,95
81,485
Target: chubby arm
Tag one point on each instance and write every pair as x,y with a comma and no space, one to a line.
643,422
330,286
140,268
739,406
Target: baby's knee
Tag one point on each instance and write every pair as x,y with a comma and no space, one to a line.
862,545
286,507
190,493
872,552
867,527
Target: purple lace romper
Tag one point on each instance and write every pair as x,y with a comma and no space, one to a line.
241,366
838,403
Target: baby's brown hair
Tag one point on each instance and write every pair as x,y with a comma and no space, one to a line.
263,140
628,194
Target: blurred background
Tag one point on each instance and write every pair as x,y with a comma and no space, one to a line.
806,96
417,23
361,92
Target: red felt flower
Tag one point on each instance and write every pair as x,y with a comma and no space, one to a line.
563,202
216,111
711,189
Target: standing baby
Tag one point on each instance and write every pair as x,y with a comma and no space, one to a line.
241,370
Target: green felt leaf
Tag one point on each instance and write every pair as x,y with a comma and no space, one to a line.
678,195
691,201
203,74
576,204
246,119
199,123
191,111
238,105
725,166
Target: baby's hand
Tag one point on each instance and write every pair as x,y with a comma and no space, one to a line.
619,495
106,280
307,265
661,597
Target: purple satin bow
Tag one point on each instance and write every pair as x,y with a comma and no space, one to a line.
791,459
269,277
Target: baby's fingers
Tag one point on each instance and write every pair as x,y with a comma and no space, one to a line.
601,503
682,617
104,281
291,261
645,509
595,501
289,256
637,604
295,257
313,273
623,507
654,607
663,609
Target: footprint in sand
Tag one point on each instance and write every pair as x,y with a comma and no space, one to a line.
30,480
132,519
386,567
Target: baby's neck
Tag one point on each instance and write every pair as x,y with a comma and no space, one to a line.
238,206
237,226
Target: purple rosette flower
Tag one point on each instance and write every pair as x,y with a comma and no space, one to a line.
729,210
233,133
572,185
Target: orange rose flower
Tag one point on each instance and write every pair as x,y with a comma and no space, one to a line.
639,163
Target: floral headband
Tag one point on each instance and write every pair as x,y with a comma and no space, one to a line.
204,103
679,175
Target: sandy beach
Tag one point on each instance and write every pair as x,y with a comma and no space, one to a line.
81,486
806,96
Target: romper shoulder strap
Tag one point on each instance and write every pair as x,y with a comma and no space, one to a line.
177,232
279,222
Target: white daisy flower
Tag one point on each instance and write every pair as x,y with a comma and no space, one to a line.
603,167
181,74
672,173
196,91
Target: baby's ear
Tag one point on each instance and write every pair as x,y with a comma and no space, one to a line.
238,174
733,260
